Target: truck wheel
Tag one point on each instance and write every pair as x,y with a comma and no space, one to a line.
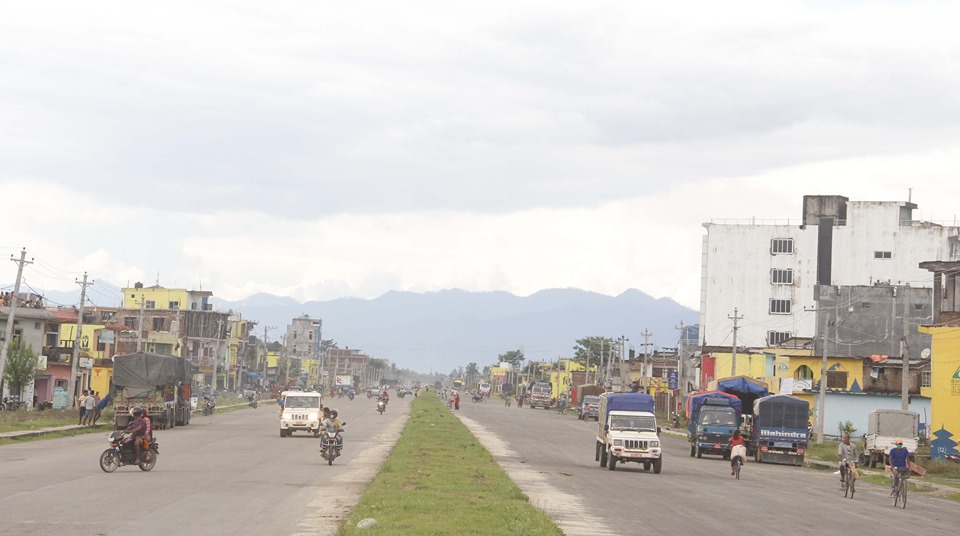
657,465
597,459
603,457
692,450
612,463
726,455
756,455
646,466
699,452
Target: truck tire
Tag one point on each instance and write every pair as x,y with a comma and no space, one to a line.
657,465
612,463
646,466
692,450
597,459
699,452
603,456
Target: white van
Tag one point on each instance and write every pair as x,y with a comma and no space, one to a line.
302,411
484,388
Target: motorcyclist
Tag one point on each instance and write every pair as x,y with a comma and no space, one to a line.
332,423
385,396
138,428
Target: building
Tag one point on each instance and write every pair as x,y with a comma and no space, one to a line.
767,271
32,326
944,378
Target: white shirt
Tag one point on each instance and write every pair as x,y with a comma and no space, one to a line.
90,402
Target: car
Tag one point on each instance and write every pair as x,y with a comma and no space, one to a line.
301,412
589,408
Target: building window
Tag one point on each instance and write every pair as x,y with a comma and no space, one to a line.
777,337
882,254
780,307
158,324
151,305
130,322
803,373
781,277
925,379
781,246
36,325
836,379
173,305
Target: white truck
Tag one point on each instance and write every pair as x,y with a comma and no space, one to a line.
884,428
628,431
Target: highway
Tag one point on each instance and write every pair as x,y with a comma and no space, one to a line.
552,458
230,473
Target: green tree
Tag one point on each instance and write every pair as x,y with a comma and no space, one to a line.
514,357
472,371
326,344
22,365
591,348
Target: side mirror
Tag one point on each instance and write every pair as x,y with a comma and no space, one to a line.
658,430
606,427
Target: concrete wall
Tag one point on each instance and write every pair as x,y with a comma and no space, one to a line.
843,407
737,260
945,390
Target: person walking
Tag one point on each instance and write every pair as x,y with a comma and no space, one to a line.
456,402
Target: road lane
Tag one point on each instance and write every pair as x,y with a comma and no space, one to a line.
690,496
230,473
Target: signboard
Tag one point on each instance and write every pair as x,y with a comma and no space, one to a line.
106,336
673,382
85,362
59,397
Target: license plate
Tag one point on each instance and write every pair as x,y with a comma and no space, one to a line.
783,444
716,445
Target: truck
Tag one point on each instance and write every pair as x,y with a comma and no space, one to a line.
748,390
158,383
628,432
884,428
712,418
780,429
541,394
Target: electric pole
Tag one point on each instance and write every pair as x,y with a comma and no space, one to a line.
140,325
645,374
8,335
822,397
265,350
905,376
216,358
680,351
735,318
71,387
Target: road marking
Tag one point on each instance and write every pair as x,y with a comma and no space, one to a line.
338,496
565,509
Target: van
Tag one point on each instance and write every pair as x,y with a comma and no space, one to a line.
302,412
484,388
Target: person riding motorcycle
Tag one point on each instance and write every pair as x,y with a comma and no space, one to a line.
138,429
385,396
331,423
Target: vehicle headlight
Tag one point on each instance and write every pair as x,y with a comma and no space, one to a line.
654,443
618,442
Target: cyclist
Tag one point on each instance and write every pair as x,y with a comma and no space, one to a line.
847,454
737,449
898,462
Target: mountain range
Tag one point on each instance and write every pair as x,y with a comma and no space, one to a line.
443,330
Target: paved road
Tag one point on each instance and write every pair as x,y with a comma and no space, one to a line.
551,457
230,473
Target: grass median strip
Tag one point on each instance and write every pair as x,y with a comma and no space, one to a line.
439,480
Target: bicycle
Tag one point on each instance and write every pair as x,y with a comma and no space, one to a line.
848,483
737,454
736,467
900,477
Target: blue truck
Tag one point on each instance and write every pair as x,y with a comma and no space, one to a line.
713,416
780,429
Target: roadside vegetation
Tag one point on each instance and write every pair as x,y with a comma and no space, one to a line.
440,480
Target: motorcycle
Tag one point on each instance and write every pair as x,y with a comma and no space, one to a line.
381,406
478,397
11,403
331,445
208,406
121,453
350,395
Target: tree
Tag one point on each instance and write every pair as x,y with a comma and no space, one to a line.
514,357
326,344
591,348
472,371
22,365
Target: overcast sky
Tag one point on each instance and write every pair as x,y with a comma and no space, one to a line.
327,149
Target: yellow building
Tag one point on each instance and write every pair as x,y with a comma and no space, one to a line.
561,376
157,297
944,390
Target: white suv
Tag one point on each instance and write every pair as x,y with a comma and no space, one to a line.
302,411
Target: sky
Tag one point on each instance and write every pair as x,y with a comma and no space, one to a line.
318,150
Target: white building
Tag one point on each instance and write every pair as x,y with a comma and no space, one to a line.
303,336
768,271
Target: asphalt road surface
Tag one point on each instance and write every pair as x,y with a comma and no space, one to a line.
552,458
231,473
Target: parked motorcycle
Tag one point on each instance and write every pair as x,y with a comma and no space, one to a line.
11,403
208,405
331,445
121,453
381,406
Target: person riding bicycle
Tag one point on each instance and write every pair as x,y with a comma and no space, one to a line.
737,450
847,455
898,462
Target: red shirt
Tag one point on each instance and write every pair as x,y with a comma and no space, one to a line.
734,441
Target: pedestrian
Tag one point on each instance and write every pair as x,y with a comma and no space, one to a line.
90,409
80,404
456,402
101,405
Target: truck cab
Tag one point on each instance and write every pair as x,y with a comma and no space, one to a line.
711,428
301,412
541,394
628,431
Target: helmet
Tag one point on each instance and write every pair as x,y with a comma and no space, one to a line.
333,414
136,412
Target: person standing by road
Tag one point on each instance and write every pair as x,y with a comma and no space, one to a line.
80,404
90,408
456,402
847,454
101,405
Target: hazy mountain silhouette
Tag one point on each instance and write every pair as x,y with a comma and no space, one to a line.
450,328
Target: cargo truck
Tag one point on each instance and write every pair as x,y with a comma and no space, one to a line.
158,383
628,431
712,418
780,429
884,428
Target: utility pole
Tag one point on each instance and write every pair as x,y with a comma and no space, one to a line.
140,325
265,350
216,358
8,335
71,387
735,318
645,376
680,351
822,397
905,376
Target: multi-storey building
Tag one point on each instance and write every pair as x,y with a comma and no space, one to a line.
769,271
